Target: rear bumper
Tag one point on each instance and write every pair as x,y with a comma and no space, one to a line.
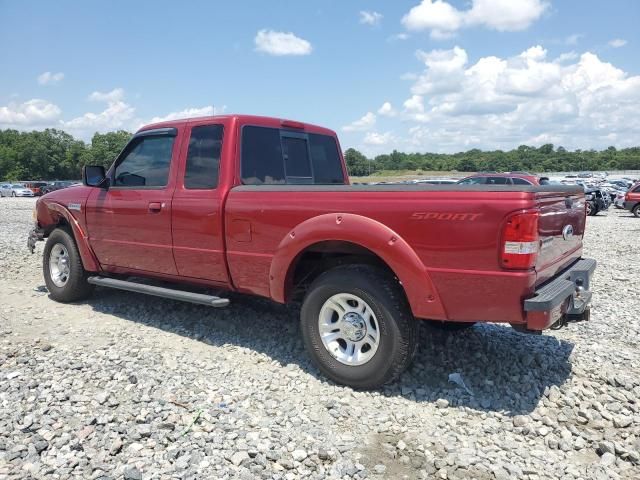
566,295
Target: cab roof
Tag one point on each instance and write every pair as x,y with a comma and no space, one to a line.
243,119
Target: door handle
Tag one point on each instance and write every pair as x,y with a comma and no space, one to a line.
155,207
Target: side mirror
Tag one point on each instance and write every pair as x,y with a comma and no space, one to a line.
94,176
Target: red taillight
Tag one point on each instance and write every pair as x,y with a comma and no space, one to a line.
520,241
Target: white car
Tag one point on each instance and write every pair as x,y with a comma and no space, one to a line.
15,190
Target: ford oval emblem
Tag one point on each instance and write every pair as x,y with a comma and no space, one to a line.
567,232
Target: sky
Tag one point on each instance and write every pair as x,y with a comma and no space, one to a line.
416,76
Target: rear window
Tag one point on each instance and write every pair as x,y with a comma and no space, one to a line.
275,156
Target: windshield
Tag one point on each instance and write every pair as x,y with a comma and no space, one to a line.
17,185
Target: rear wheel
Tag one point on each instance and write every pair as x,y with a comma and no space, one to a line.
357,326
64,275
636,210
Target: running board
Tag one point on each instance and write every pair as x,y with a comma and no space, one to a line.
170,293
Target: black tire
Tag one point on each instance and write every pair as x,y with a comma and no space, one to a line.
636,210
398,330
76,286
592,210
13,194
450,326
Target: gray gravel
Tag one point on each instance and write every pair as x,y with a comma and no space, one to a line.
134,387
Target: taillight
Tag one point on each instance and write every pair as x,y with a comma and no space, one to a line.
520,241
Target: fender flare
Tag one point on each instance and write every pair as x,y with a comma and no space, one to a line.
367,233
89,261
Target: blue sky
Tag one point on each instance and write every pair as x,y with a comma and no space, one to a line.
412,75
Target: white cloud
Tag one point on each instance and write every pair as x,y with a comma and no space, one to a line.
578,101
48,78
375,138
115,95
189,113
443,20
506,15
370,18
362,124
435,15
117,115
617,43
414,104
30,114
387,110
444,69
281,43
573,39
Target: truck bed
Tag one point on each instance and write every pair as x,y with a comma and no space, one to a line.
453,229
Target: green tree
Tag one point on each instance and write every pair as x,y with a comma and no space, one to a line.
105,147
357,163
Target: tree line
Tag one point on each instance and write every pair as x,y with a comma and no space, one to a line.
546,158
56,155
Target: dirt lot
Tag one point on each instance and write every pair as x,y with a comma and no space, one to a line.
128,386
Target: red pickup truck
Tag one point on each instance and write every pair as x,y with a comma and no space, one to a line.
263,206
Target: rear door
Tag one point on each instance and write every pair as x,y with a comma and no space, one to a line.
197,207
130,223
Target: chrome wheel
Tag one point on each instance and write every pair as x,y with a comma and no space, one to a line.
59,265
349,329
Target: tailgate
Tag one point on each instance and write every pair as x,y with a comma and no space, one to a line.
561,228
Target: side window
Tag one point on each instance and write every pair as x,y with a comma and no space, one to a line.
146,163
522,181
261,156
473,181
637,189
297,166
497,181
203,157
274,156
327,167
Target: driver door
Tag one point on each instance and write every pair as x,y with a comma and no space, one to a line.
129,224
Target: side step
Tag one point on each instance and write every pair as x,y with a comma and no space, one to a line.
170,293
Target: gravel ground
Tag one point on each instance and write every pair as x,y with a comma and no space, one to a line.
128,386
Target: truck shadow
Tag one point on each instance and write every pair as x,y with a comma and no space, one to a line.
504,370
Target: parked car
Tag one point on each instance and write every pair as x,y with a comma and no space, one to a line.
15,190
504,179
266,209
35,187
596,201
632,199
618,202
57,185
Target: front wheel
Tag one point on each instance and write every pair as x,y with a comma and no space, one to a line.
64,275
13,194
636,210
357,326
